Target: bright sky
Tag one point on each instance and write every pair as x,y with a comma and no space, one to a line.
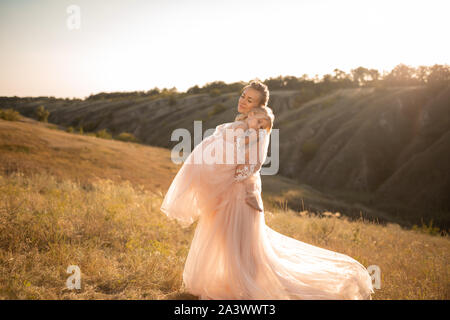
139,44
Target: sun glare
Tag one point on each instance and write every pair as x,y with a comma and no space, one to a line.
140,45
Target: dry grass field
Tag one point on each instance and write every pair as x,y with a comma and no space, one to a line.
68,199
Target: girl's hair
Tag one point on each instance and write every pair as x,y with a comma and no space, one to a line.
263,91
267,114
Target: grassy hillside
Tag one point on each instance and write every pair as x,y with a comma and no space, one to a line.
70,199
32,147
127,249
380,148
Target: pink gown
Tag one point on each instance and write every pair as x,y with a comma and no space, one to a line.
234,255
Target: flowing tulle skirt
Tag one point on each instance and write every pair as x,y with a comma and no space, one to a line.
235,255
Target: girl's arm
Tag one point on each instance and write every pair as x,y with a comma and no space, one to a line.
244,171
234,132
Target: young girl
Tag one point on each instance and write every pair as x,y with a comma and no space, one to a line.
248,140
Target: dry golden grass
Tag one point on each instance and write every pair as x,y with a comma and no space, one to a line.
69,199
413,265
127,249
30,146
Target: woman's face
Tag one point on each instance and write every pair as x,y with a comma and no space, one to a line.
249,99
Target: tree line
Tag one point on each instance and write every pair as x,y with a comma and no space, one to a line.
433,77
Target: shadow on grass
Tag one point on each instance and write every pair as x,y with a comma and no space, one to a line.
181,296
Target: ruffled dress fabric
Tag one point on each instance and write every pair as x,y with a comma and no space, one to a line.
234,255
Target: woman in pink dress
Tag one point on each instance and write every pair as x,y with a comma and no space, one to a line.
234,254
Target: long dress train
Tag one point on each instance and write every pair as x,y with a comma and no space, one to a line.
235,255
